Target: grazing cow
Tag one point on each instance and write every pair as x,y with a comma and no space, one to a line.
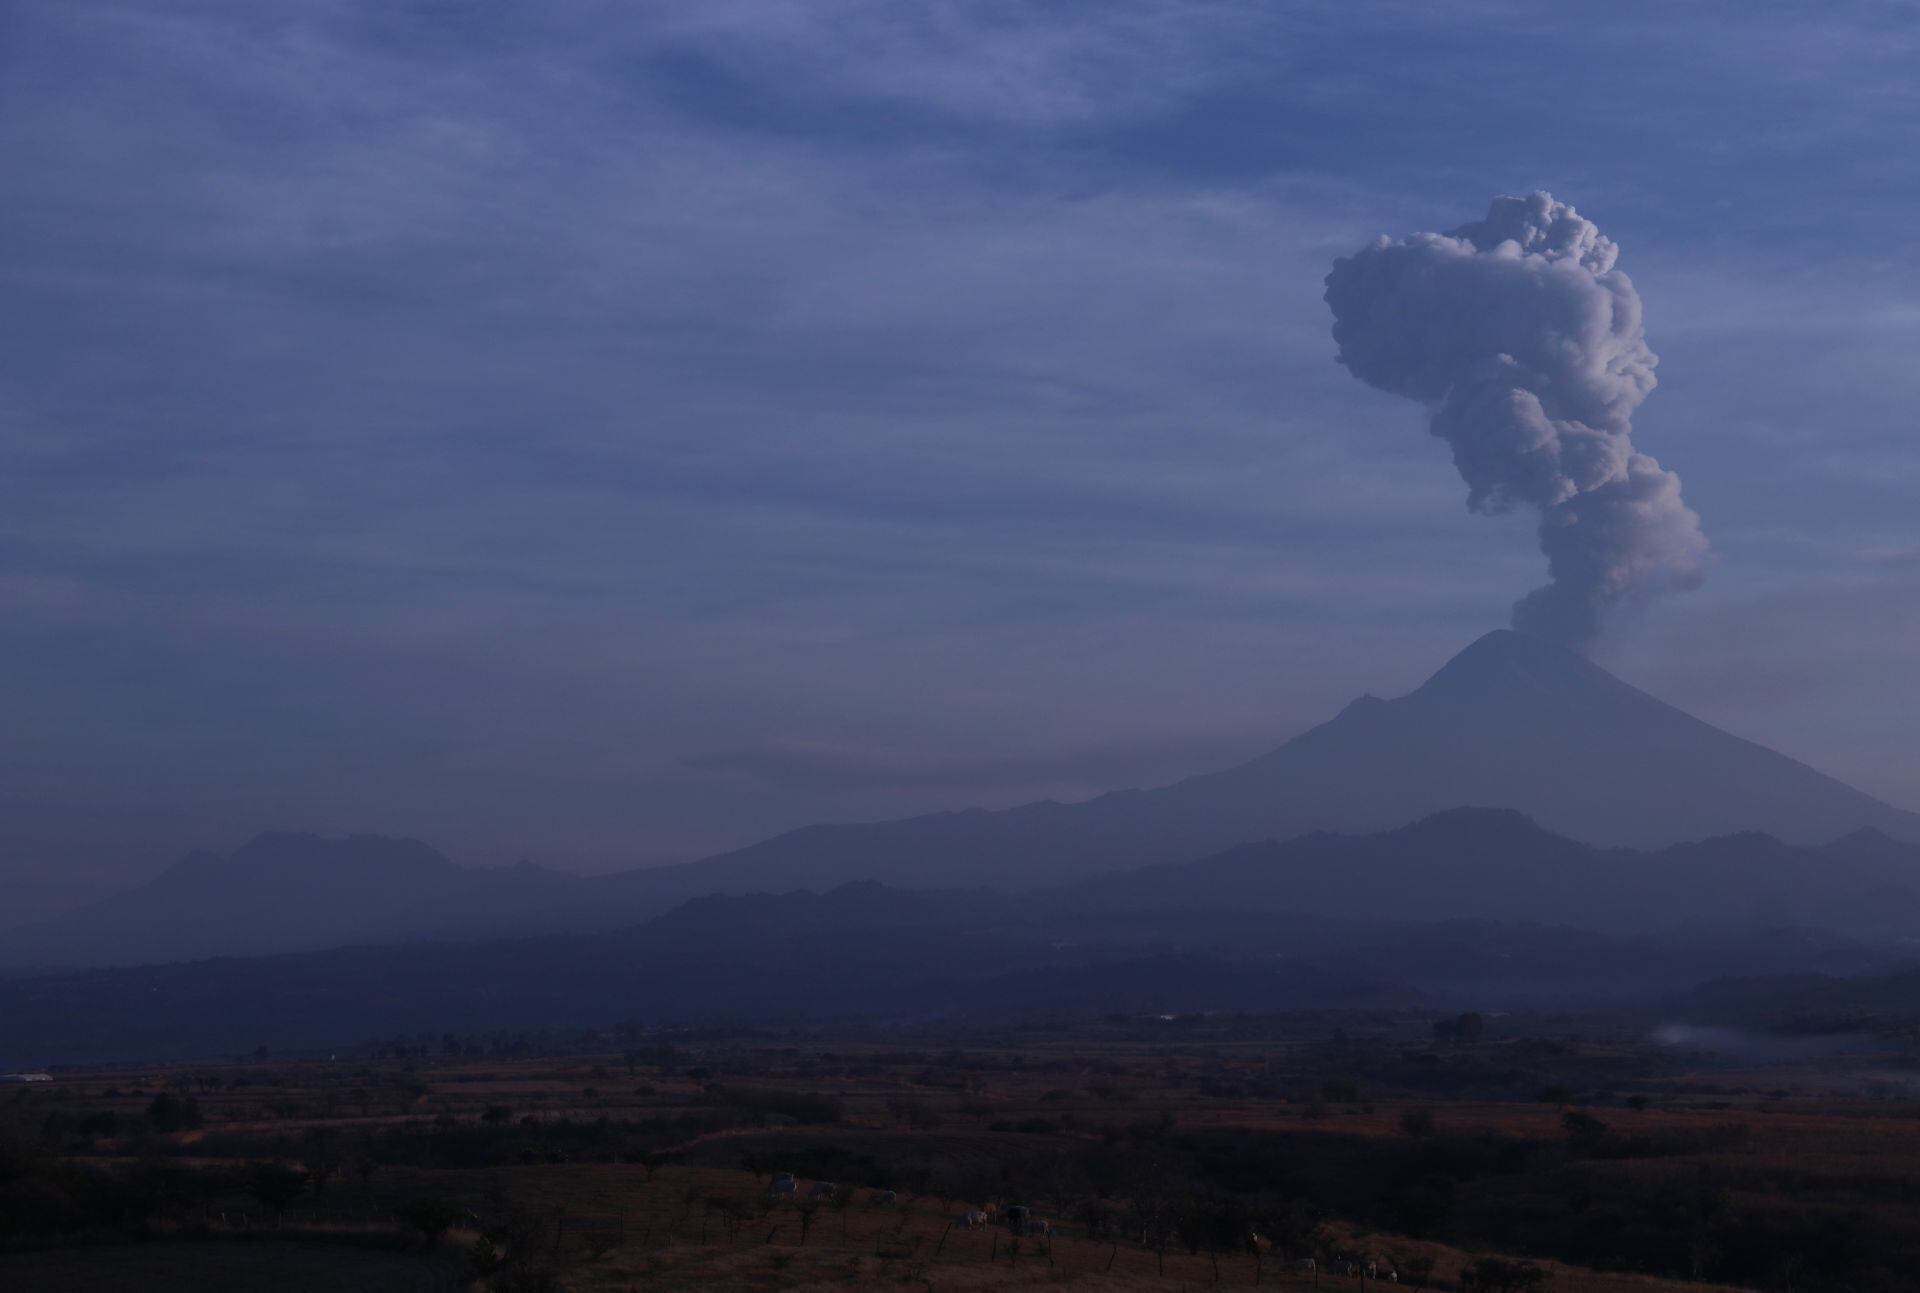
976,1220
822,1190
1017,1218
1257,1244
1040,1227
1305,1266
783,1187
883,1198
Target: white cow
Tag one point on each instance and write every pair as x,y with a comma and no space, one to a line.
975,1220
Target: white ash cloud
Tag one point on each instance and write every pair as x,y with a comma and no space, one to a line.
1526,345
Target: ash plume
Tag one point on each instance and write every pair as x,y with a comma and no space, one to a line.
1525,343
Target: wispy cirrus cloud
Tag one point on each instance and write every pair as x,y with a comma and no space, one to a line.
449,419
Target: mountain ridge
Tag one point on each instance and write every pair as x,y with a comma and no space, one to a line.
1482,730
1292,925
1510,722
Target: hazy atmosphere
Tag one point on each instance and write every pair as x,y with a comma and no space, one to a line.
959,647
609,435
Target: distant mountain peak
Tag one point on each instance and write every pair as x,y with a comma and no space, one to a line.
1505,660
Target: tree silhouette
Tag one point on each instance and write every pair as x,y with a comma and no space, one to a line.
1499,1275
653,1160
276,1185
168,1113
431,1217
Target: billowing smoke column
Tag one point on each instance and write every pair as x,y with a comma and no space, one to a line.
1525,342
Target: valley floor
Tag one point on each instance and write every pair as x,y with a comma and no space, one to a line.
1155,1149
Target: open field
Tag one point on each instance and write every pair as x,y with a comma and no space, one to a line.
210,1266
600,1163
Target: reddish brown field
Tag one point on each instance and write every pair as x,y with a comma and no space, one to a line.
618,1170
918,1243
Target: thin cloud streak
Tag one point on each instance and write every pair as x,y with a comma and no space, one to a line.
444,427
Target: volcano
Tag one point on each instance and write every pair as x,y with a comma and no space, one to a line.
1513,722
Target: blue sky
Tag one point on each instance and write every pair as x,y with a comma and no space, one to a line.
610,433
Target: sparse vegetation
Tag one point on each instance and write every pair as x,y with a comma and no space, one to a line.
1159,1161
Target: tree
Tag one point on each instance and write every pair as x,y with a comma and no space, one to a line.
320,1170
431,1217
653,1160
508,1256
1587,1132
1500,1275
276,1185
1417,1123
1466,1028
808,1210
169,1113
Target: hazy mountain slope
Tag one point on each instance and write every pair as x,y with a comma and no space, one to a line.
1511,722
859,950
288,892
1495,864
1886,1002
869,950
